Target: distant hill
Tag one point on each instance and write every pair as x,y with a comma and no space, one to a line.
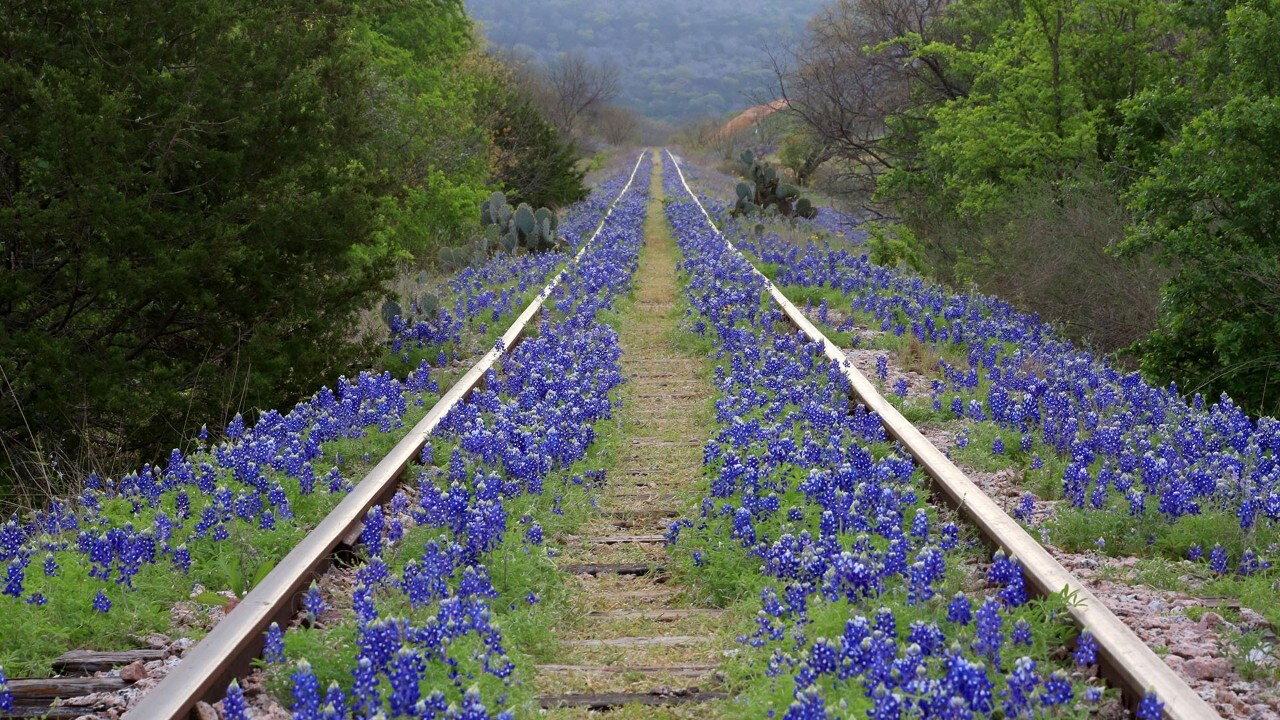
679,58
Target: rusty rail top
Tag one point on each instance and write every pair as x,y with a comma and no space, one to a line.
232,644
1122,653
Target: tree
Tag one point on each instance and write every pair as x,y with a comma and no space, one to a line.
575,88
1207,143
616,125
851,76
197,199
427,135
530,159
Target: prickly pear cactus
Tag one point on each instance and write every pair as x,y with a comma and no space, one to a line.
767,193
390,311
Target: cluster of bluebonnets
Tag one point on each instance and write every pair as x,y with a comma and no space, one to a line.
223,511
855,613
490,293
1129,447
162,521
425,633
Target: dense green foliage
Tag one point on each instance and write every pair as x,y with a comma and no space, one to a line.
1209,139
173,239
429,142
1060,152
679,59
530,158
197,201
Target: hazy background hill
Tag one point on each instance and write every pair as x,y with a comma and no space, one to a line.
679,59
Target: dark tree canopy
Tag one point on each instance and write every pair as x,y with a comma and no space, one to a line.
532,160
197,200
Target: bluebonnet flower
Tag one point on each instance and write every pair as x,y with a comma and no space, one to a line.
1057,689
1021,633
1026,507
1218,559
182,558
534,535
102,603
1251,564
1086,652
234,706
960,610
313,602
306,693
15,576
990,636
404,675
273,648
372,530
1019,694
335,698
6,698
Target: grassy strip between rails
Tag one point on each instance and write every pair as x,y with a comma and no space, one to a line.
658,357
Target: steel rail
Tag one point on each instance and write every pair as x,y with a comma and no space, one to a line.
1123,656
230,647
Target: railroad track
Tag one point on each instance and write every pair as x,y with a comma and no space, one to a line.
1124,658
229,649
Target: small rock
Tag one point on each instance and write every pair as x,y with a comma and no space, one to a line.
1187,649
156,641
205,711
1203,668
1252,620
1260,656
133,672
1211,620
1112,710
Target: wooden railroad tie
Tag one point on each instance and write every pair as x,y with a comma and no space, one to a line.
87,662
650,641
34,697
614,539
606,701
637,514
615,569
668,670
660,615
